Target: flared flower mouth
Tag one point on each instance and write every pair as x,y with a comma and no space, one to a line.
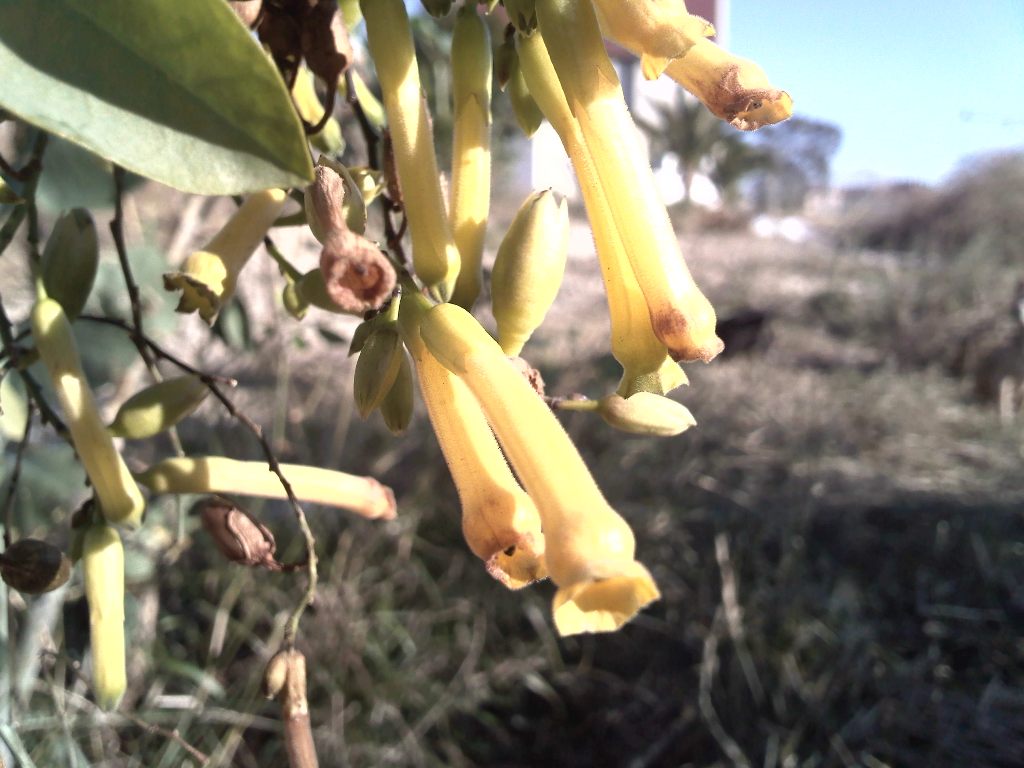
204,282
604,605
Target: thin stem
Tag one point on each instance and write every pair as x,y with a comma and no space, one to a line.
12,486
171,735
392,236
117,231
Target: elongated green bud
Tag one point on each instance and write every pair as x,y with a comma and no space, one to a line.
645,413
103,569
527,113
69,261
397,405
119,497
377,368
158,407
471,148
528,268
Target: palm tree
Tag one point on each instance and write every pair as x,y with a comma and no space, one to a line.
688,130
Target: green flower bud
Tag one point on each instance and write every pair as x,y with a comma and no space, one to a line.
527,113
646,413
505,58
295,303
158,407
396,407
69,261
528,268
33,566
377,368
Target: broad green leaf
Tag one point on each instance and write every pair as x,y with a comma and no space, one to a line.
179,92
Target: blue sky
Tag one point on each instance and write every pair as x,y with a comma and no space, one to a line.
915,86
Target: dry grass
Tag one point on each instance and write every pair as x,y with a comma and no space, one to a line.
839,545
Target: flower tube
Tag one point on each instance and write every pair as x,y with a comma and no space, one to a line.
434,254
499,520
215,474
682,318
668,39
644,359
589,548
207,279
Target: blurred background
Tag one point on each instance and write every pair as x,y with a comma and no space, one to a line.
839,542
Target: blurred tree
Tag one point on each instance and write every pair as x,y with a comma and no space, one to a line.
703,143
802,150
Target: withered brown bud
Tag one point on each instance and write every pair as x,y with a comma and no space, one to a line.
33,566
247,10
280,29
326,195
276,674
325,42
357,275
238,535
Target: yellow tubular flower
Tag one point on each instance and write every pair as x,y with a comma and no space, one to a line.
499,521
120,499
645,362
215,474
103,571
207,279
434,255
589,548
733,88
471,148
680,314
657,30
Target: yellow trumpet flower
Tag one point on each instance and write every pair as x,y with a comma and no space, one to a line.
681,317
589,548
668,39
207,279
434,254
644,359
499,520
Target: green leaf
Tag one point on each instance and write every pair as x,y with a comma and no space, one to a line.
179,92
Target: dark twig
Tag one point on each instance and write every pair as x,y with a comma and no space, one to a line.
172,735
328,111
213,383
117,231
392,236
19,174
15,476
